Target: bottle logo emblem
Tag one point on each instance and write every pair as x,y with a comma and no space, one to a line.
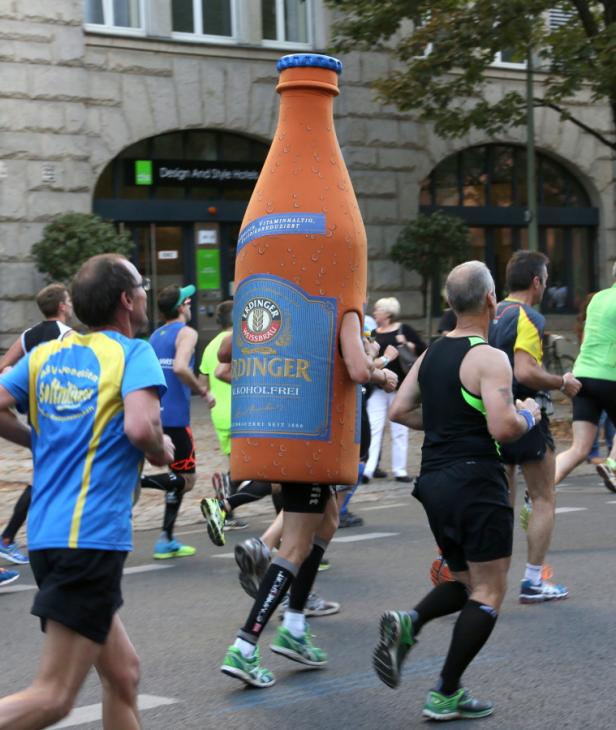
261,320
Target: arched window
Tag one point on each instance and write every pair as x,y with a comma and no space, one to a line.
486,187
183,146
182,196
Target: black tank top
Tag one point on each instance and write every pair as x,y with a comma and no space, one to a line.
454,419
48,329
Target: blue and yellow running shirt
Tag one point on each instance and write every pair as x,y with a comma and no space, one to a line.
85,468
517,326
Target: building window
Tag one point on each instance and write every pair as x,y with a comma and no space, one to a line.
486,187
115,15
209,18
286,22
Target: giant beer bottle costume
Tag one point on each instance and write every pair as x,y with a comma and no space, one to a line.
301,265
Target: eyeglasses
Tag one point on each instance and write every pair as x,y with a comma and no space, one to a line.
145,283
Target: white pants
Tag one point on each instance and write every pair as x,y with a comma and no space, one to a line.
377,407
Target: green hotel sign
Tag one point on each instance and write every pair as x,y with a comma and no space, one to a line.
191,172
143,172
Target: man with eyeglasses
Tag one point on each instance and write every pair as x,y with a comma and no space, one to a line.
174,344
94,407
518,330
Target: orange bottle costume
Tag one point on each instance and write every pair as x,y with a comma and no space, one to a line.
301,265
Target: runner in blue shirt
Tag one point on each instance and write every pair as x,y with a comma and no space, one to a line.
94,410
174,344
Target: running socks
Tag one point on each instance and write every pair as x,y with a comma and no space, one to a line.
302,585
173,502
472,629
252,492
533,574
166,482
19,516
173,486
443,599
274,585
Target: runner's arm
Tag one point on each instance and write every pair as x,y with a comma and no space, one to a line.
12,355
495,380
185,344
11,428
406,408
223,372
225,351
143,428
530,373
358,364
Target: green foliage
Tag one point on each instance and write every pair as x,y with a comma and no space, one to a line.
72,238
447,85
431,244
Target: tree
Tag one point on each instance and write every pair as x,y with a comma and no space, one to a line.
444,49
71,238
429,245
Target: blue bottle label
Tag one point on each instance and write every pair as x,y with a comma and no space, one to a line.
283,360
281,224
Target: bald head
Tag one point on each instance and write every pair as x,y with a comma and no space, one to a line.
467,287
98,286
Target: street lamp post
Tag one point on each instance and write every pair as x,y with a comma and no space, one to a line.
531,177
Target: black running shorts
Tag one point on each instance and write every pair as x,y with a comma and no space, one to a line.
467,504
78,588
532,446
184,460
309,498
595,396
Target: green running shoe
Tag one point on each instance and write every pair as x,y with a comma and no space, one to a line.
300,650
235,664
458,706
165,549
215,519
397,638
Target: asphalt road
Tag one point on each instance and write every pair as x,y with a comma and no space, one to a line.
545,666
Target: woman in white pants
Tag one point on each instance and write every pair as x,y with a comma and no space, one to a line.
390,335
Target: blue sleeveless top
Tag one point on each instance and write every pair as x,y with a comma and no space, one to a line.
175,404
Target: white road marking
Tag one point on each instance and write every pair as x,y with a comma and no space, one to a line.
129,571
562,510
611,501
222,555
146,568
365,536
382,506
202,531
93,713
17,589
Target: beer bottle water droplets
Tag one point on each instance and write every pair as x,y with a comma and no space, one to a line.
293,395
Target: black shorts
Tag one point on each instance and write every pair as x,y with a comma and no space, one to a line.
467,504
532,446
308,498
78,588
184,458
596,395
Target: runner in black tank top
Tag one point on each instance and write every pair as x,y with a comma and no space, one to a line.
454,419
55,304
459,393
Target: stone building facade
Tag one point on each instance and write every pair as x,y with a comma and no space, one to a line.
76,96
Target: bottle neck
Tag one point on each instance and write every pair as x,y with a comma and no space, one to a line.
308,93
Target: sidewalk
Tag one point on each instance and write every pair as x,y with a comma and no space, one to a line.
16,470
